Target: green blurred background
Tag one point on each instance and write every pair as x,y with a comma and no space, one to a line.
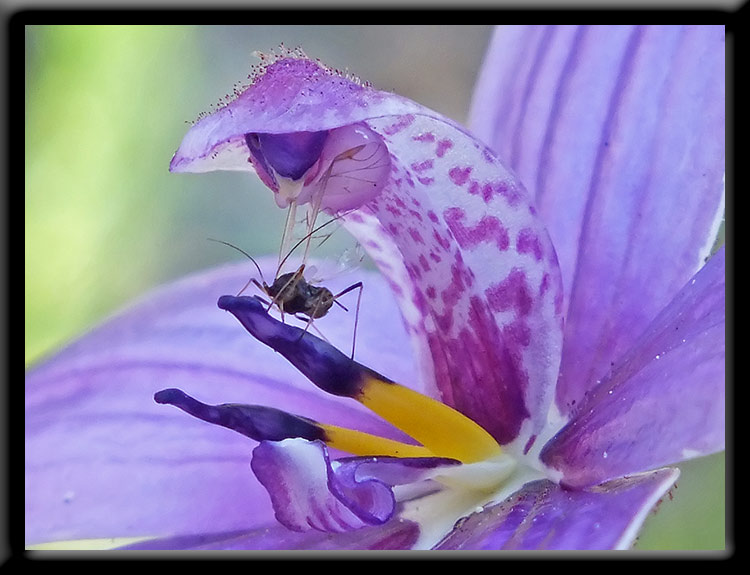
106,107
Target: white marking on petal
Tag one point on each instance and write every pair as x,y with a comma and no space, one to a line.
629,535
468,489
713,231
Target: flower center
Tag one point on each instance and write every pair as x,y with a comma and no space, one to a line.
441,496
467,489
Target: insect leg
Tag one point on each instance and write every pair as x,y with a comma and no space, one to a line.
278,305
310,323
352,287
263,301
251,281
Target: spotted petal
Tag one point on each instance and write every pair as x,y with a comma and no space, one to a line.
619,133
474,271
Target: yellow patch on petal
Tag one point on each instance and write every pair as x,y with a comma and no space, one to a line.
360,443
440,428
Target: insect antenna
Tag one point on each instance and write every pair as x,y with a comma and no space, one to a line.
243,252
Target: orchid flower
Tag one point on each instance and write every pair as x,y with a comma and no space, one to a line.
513,388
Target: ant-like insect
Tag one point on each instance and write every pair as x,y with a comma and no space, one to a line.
291,293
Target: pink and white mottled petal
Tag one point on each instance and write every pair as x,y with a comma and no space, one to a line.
481,290
542,515
663,402
91,407
618,132
386,255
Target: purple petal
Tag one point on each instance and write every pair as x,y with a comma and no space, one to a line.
104,460
352,480
325,366
542,515
664,400
452,230
309,491
396,534
357,169
391,470
293,94
618,132
307,494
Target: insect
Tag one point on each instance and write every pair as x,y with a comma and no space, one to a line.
292,294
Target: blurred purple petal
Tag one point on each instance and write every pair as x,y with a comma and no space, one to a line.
618,132
542,515
396,534
104,460
664,400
